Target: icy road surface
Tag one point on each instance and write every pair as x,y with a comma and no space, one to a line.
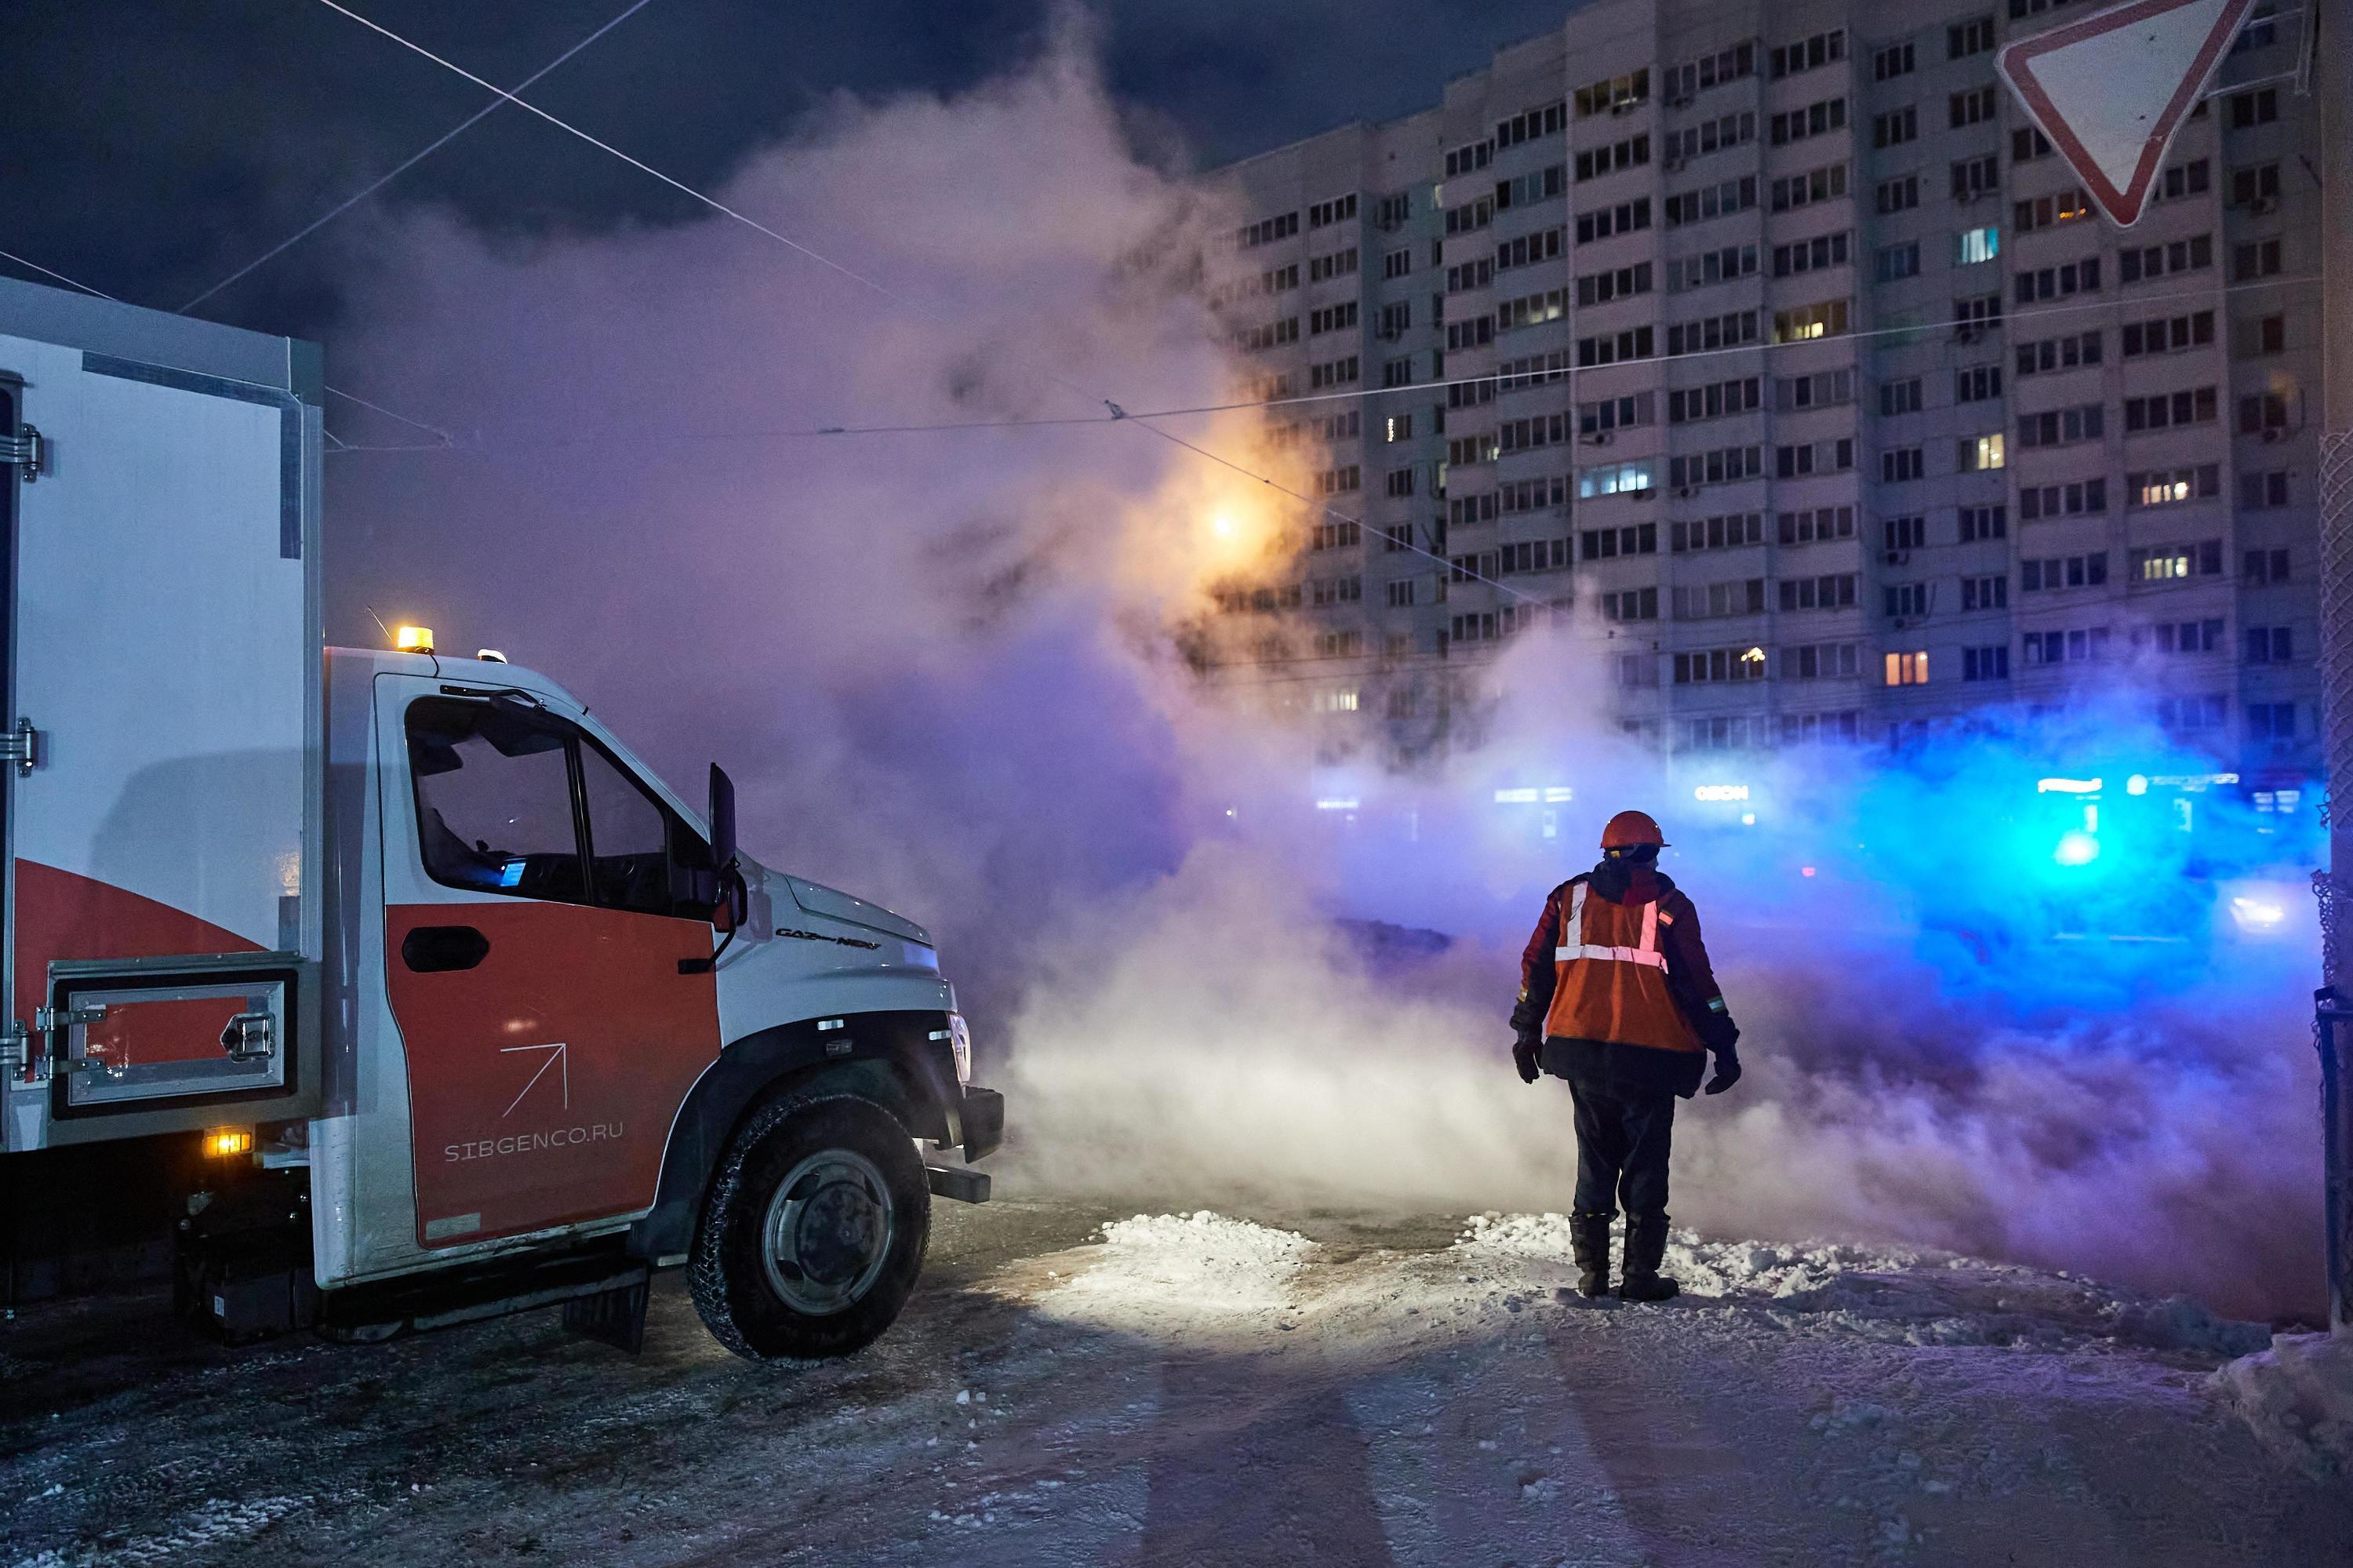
1196,1389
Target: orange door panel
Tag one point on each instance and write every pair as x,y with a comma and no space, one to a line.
549,1048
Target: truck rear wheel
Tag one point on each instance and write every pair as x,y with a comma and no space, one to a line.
814,1229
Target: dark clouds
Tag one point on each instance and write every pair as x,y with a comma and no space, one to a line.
153,146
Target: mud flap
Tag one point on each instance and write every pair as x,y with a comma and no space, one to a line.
615,1318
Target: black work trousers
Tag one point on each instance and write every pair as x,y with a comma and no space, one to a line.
1622,1138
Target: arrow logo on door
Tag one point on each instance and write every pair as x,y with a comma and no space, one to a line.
556,1058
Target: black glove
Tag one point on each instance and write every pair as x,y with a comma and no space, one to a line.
1727,1064
1524,1057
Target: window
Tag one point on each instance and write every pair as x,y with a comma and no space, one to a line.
2164,410
2182,636
1714,601
2049,212
1536,430
1825,184
1544,245
2270,721
1596,161
1819,526
2076,646
1710,136
2255,185
1975,178
1908,669
1397,539
1398,263
1808,322
2050,353
1604,97
1635,343
1977,454
1688,79
2168,563
1900,396
1469,218
2080,498
1393,210
1600,288
1905,600
2260,260
1335,373
1808,54
1337,481
1267,230
2191,178
2167,335
1910,532
2269,645
2249,109
1984,592
1630,604
1972,245
1477,273
1617,478
2262,413
1331,318
494,799
1722,266
1728,331
1972,108
1271,335
1605,414
2192,712
1535,185
1986,663
2026,143
1896,262
1974,523
1819,119
1326,591
1809,255
1804,458
1820,662
1725,465
2260,490
2265,567
1976,314
1625,217
2060,427
1977,383
1712,201
2135,263
1470,158
1400,481
1716,400
1634,539
1339,535
1822,389
1339,210
2265,334
1889,63
1898,463
2171,486
1713,665
1727,532
2059,282
1552,119
1965,39
1895,127
1833,590
629,837
1397,372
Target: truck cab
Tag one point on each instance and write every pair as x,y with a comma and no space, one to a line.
429,1000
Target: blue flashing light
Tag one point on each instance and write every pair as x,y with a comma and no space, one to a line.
2077,848
510,873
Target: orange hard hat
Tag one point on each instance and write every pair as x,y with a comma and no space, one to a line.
1628,829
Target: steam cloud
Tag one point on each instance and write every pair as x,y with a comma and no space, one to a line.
941,668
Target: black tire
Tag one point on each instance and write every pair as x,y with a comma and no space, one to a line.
830,1283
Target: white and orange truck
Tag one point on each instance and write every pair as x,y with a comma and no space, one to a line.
388,986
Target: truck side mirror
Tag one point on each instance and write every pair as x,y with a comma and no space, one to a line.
732,894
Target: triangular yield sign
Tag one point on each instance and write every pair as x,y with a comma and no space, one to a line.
2110,90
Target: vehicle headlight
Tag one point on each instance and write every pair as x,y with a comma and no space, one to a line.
960,1041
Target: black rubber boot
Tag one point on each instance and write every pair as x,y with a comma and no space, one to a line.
1588,1243
1646,1245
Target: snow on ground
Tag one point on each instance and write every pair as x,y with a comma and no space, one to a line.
1177,1389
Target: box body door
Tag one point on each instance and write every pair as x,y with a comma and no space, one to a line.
163,924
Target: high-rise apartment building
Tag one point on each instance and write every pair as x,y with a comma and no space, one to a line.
1779,343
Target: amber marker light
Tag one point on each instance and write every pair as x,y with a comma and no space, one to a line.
228,1142
413,639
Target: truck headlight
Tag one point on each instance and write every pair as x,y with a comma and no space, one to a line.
960,1041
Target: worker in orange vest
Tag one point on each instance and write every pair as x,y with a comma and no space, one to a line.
1616,996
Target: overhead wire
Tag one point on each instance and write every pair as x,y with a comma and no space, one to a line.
408,164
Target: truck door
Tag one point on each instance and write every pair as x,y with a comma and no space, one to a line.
553,990
160,775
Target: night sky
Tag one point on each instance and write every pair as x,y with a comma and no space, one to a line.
153,146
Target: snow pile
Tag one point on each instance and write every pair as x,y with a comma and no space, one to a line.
2298,1397
1817,1271
1170,1267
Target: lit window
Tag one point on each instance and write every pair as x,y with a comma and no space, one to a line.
1976,245
1990,451
1907,669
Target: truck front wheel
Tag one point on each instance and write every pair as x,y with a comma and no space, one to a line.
813,1230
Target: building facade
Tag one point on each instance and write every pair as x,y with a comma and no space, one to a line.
1782,356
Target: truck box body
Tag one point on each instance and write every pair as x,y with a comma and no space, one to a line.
162,645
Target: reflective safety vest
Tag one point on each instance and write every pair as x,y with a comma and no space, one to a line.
1611,978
